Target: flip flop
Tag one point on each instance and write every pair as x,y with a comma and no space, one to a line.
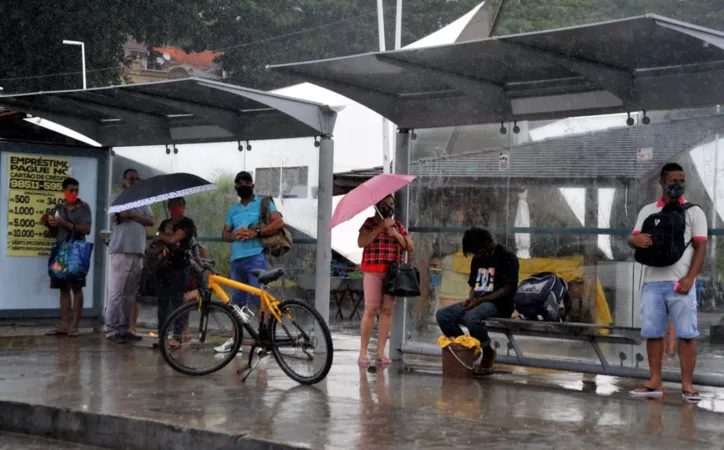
363,362
73,334
646,391
690,396
56,332
383,361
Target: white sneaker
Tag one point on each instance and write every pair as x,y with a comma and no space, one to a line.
225,347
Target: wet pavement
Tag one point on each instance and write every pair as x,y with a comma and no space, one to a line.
12,441
409,406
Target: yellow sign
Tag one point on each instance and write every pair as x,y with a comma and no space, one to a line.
36,187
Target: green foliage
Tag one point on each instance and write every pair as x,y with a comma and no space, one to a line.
533,15
255,33
33,32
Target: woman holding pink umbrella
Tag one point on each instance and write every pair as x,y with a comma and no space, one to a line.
384,240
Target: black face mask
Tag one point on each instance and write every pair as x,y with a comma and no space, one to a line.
386,211
245,191
675,190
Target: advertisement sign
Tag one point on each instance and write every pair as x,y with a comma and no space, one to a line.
35,188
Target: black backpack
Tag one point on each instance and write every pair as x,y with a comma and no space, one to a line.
667,229
157,257
541,297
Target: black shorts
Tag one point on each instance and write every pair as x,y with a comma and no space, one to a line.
67,284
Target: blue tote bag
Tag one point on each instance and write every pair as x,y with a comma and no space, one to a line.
70,260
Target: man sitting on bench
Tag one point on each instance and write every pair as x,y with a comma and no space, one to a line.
493,281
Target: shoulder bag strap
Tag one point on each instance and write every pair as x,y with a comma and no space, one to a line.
264,212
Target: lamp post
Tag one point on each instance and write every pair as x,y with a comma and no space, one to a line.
82,55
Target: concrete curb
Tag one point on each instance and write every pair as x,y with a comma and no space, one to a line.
118,432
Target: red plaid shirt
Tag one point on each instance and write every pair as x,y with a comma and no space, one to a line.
383,250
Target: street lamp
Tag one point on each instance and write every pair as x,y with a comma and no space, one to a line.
82,55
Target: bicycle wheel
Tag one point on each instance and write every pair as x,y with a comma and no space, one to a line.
302,338
195,344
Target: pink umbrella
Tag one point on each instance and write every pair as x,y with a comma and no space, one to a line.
368,194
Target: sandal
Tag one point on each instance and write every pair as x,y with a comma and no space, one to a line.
73,334
363,362
690,396
646,391
56,332
383,361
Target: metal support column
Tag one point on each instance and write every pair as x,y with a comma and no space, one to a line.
402,197
324,235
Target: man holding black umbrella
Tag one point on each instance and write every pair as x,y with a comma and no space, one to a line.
128,242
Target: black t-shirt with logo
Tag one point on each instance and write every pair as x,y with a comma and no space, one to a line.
488,273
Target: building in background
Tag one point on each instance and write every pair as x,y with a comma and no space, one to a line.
145,65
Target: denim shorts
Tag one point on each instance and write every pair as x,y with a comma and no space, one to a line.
659,302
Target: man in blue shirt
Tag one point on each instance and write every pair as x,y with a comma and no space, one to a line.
243,228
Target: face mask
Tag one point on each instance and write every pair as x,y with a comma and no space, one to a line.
675,190
71,197
386,211
177,211
245,191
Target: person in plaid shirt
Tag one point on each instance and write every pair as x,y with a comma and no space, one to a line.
384,240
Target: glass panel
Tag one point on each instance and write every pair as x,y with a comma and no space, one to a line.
294,182
564,195
268,181
278,167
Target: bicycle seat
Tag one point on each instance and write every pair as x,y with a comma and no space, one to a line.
267,276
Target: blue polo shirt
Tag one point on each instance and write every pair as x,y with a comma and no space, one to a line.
246,216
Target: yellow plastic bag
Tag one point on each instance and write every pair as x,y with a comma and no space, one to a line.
464,341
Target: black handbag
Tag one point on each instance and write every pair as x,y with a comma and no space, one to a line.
401,279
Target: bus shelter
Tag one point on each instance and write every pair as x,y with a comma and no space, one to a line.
585,115
166,113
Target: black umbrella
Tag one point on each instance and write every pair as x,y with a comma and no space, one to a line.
159,189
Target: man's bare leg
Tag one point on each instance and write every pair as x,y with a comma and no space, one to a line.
64,326
77,310
687,359
655,352
134,317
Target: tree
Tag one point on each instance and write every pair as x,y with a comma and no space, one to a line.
532,15
255,33
32,52
317,29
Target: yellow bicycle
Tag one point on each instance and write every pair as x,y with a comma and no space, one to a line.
284,327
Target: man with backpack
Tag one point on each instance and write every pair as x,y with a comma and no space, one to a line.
670,242
244,228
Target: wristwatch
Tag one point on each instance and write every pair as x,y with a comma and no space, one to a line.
257,230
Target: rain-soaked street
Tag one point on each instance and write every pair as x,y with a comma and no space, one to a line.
393,408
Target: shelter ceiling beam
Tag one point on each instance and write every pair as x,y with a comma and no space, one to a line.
228,120
82,125
619,82
473,87
310,115
693,31
141,122
381,102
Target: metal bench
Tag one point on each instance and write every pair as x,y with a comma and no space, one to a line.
593,334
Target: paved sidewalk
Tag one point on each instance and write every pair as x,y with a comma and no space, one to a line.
11,441
400,407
